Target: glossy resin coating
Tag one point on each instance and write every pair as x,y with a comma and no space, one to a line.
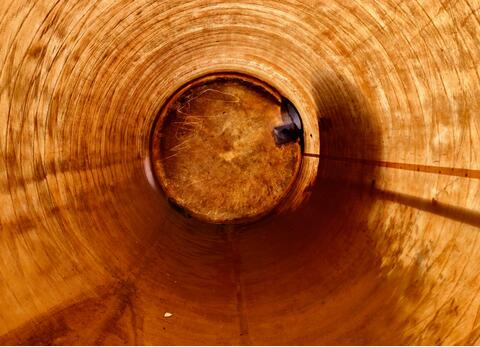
376,242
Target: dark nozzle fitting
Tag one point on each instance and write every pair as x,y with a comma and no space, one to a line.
291,130
286,133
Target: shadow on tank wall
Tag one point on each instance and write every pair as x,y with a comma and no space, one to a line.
322,265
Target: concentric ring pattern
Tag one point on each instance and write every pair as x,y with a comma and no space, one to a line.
384,250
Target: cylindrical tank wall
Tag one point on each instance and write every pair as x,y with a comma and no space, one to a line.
385,249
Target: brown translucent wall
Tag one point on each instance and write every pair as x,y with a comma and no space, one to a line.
385,250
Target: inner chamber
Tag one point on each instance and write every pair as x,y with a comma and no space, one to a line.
379,246
214,153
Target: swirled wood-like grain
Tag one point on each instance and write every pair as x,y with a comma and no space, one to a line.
91,253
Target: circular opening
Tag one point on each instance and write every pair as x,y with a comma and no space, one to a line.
214,150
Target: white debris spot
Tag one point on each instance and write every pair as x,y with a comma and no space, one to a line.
442,137
149,173
167,315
